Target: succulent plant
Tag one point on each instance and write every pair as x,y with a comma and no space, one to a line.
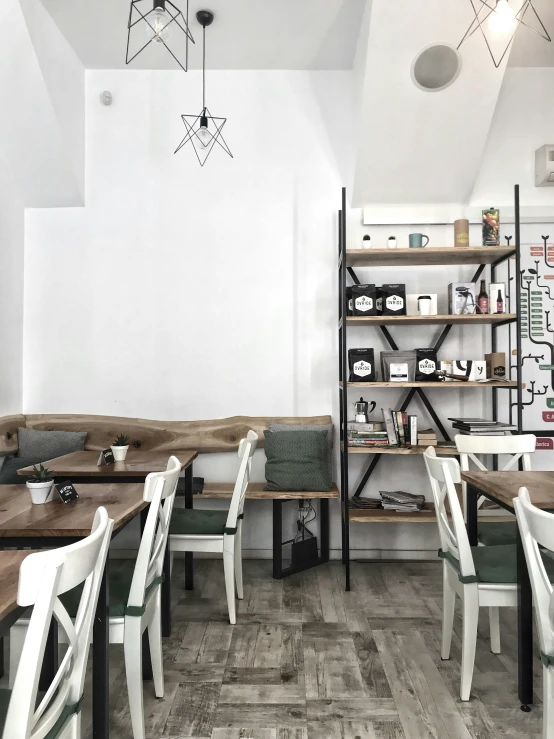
41,474
121,440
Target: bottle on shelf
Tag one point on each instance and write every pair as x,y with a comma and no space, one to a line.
483,299
499,303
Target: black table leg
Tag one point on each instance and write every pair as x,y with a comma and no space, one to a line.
189,562
524,630
50,661
277,539
324,528
472,498
147,673
100,662
2,657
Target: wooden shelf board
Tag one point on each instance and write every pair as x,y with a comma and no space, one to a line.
255,491
427,515
439,385
428,320
440,450
427,256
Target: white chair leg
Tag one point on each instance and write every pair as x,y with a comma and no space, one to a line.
238,563
132,646
18,632
155,642
448,604
547,702
494,621
229,569
469,638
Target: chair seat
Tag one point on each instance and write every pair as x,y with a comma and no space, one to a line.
497,533
198,522
5,695
120,585
496,564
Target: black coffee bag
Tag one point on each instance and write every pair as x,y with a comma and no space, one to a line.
394,300
348,300
364,300
426,365
361,364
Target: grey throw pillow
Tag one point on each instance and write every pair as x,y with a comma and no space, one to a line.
328,428
296,460
44,445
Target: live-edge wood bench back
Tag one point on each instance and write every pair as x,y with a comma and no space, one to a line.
219,435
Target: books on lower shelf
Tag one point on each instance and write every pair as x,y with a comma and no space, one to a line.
481,427
427,437
401,428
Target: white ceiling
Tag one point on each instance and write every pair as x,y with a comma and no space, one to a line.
529,50
246,34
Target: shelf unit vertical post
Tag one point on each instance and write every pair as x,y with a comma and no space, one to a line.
343,393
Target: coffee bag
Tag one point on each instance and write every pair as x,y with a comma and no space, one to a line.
427,365
394,300
364,300
361,364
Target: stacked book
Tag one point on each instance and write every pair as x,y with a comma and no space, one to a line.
481,427
427,437
367,434
401,428
401,502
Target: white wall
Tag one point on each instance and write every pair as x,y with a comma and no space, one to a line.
11,295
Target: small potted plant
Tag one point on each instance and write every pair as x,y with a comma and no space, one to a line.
120,447
40,484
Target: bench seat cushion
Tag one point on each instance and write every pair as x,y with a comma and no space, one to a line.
497,532
198,522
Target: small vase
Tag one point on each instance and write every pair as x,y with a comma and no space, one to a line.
119,452
391,244
41,492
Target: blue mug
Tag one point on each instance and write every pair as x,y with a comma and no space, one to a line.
416,241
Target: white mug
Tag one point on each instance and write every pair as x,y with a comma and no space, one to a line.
424,305
392,242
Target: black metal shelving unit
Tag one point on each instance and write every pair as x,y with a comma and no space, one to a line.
454,256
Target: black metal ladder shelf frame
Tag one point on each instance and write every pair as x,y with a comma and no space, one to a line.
345,270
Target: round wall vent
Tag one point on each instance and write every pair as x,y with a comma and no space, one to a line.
435,67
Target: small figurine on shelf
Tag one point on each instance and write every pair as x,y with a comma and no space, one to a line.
508,239
366,242
392,242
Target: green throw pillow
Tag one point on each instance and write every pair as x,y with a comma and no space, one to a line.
297,460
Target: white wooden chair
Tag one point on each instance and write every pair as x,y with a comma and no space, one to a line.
537,529
135,596
197,530
480,576
43,577
517,448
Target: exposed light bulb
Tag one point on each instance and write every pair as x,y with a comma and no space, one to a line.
158,28
502,19
203,134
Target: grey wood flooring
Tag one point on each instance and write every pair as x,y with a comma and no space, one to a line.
307,660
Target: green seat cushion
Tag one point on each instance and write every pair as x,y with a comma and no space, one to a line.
8,472
497,564
198,522
297,461
495,533
67,712
120,585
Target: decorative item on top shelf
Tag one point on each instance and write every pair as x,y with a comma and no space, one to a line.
204,131
461,232
364,300
461,298
164,24
416,241
40,485
363,410
120,447
398,366
491,227
421,304
472,370
366,242
496,365
394,299
497,302
392,243
361,364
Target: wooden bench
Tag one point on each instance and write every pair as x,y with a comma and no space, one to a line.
255,491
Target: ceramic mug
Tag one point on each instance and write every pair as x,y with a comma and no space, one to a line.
416,241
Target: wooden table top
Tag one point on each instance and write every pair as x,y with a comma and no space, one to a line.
10,563
19,518
255,491
137,464
504,486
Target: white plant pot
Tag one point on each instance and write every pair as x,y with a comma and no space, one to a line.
41,492
120,452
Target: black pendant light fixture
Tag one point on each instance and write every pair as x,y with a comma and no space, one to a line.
159,22
204,131
501,19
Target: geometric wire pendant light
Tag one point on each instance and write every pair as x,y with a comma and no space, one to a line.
500,18
204,131
159,22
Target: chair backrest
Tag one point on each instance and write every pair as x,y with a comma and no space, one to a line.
247,447
444,474
159,491
537,529
43,577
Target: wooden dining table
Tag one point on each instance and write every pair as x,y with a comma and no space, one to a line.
82,467
10,611
57,524
502,488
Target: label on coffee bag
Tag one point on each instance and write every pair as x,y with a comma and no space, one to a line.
427,366
362,368
363,303
395,303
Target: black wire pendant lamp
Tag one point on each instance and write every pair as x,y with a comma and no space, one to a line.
500,18
162,23
204,131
